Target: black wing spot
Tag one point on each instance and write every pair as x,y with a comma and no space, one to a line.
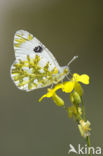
38,49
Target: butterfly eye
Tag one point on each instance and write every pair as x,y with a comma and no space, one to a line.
38,49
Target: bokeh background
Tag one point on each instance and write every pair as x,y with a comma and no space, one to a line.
67,28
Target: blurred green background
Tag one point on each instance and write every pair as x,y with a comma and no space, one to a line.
67,28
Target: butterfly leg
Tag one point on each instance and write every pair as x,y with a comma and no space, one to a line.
69,76
51,86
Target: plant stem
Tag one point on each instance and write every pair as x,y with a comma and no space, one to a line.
87,138
83,108
88,143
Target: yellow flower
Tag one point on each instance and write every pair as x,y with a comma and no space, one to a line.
84,78
52,94
73,83
67,87
84,128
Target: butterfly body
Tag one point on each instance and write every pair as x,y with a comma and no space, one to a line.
35,66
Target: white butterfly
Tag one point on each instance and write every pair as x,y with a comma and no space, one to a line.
35,66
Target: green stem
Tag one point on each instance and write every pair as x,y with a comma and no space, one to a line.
87,138
83,108
88,143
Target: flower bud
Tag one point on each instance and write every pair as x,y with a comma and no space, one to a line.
75,98
59,102
78,88
74,111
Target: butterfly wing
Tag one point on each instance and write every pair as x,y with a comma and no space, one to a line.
35,66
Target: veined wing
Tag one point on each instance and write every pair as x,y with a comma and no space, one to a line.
35,66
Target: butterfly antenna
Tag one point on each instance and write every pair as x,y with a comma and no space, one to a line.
74,58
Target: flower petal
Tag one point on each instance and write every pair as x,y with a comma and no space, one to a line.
84,79
48,94
68,86
58,86
42,97
76,77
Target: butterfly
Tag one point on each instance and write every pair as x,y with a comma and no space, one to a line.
34,66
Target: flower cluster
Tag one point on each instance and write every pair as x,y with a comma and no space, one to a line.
74,88
69,87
